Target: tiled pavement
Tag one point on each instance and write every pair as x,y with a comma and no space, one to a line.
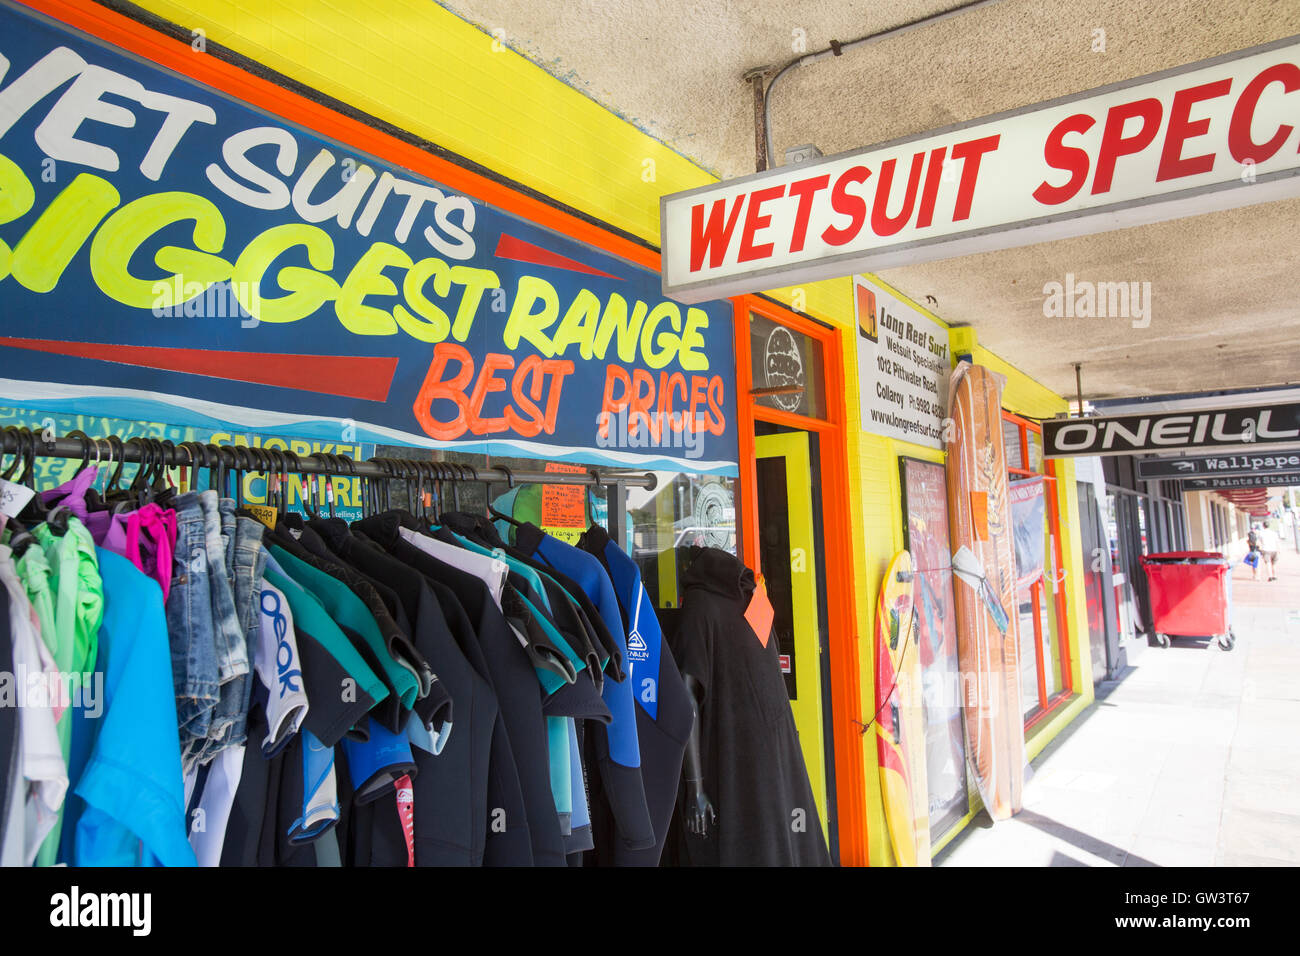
1192,758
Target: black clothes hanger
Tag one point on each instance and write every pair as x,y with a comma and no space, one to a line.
274,464
244,465
336,465
265,461
114,494
140,483
95,500
86,444
394,473
471,474
164,490
493,512
455,485
437,475
33,513
341,463
152,475
198,454
217,473
84,440
129,497
375,498
288,464
500,516
414,483
253,461
291,464
13,465
437,500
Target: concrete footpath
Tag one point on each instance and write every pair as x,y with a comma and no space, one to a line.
1192,758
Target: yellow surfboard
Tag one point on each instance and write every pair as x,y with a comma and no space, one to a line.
900,720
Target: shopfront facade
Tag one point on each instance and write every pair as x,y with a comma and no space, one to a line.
530,331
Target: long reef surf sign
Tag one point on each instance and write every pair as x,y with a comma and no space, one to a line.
1203,429
1212,135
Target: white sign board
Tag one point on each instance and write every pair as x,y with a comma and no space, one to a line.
903,368
1213,135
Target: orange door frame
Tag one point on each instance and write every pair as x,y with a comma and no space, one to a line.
841,603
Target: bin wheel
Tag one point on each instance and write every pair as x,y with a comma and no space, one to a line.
1162,640
1228,641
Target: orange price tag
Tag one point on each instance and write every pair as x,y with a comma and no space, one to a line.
759,615
979,512
564,506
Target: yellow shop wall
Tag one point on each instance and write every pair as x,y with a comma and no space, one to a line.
421,68
879,532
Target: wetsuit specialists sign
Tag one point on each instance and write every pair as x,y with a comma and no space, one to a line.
903,366
1171,431
1213,135
169,254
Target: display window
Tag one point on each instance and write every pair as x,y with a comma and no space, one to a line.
1044,642
681,511
925,507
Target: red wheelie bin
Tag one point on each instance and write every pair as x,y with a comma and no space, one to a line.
1191,595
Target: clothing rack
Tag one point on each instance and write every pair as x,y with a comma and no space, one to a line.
247,458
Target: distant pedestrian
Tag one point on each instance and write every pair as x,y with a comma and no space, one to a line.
1268,548
1253,555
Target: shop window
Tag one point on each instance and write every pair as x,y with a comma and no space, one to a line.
1121,562
682,511
1143,524
788,368
925,507
1034,443
1011,439
1044,659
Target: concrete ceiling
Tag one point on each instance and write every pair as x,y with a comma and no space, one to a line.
1224,285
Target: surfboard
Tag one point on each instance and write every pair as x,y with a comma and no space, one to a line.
987,611
900,723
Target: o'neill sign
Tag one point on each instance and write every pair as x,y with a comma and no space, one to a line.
1171,431
1212,135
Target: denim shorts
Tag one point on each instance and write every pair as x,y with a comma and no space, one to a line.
247,561
189,622
228,635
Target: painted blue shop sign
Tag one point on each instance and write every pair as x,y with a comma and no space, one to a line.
169,254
